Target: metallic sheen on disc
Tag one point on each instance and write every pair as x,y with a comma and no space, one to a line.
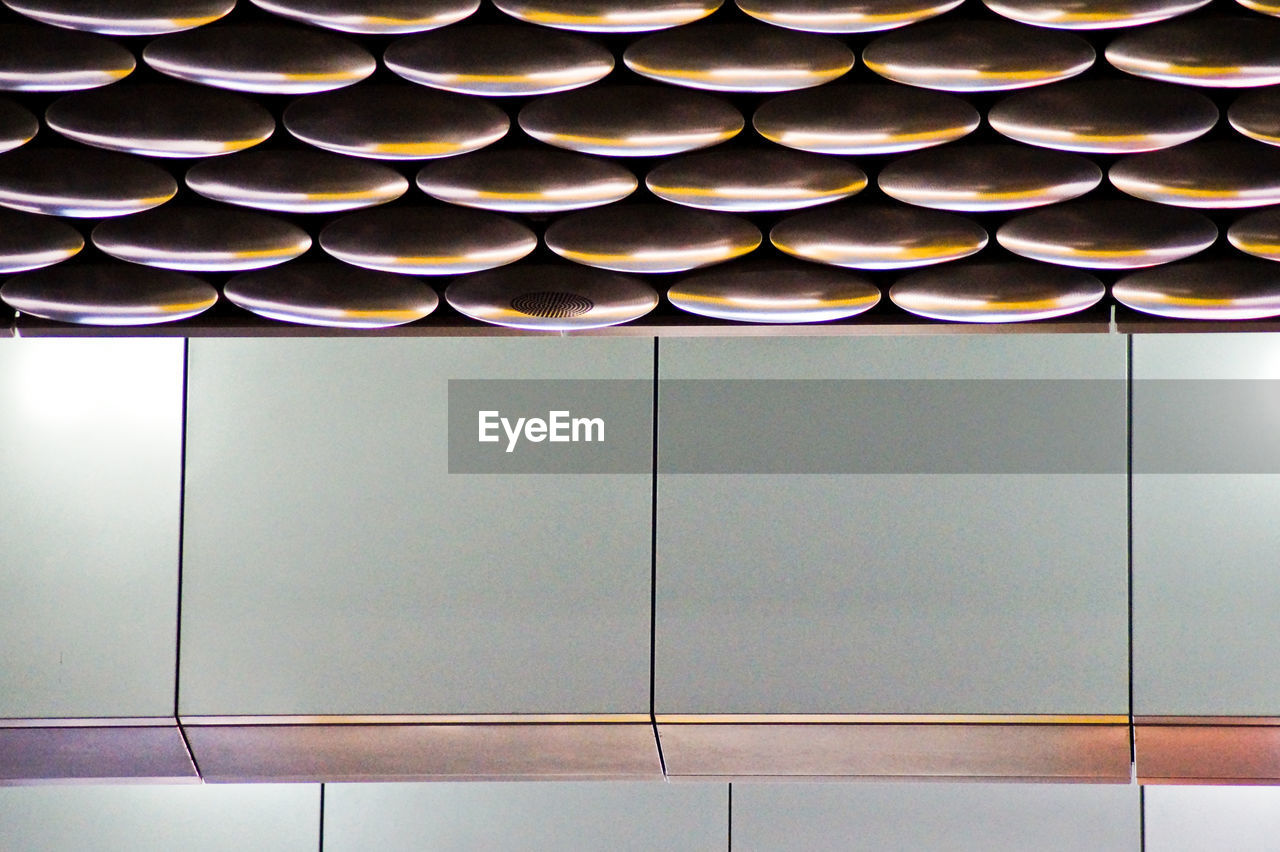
1214,174
17,126
541,180
651,238
1108,234
395,122
201,239
1266,7
161,120
1014,291
1105,116
608,16
427,241
30,242
547,297
754,180
878,236
774,292
977,56
844,16
499,60
1091,14
864,119
375,17
1222,52
988,177
42,59
631,121
81,183
124,17
1256,114
1257,234
739,58
306,181
267,58
1204,290
332,294
108,294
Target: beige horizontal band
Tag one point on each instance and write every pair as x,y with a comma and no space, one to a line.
885,719
484,719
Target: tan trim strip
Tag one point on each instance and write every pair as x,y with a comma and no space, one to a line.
1230,721
883,719
90,722
1208,754
490,719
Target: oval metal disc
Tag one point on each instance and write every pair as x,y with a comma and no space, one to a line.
977,56
1091,14
41,59
267,58
201,239
427,241
17,126
306,181
499,60
878,236
124,17
81,183
775,292
541,180
1214,174
651,238
988,177
395,122
108,294
754,180
332,294
1015,291
844,16
161,120
864,119
1105,116
375,17
1109,234
608,16
1257,234
30,242
1204,290
1221,52
739,58
547,297
1256,114
631,121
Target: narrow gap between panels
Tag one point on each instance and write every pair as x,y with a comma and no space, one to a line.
1133,747
182,508
730,833
322,818
653,568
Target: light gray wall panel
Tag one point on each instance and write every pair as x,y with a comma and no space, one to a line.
1206,588
518,816
1209,819
90,449
956,817
895,593
280,818
333,565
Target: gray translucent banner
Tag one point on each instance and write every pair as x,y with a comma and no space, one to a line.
550,426
969,426
873,426
1206,426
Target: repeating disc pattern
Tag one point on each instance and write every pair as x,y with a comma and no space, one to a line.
555,165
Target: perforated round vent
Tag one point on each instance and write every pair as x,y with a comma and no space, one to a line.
552,305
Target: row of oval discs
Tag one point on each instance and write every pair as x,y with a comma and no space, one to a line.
518,59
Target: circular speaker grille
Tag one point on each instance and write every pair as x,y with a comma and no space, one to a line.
552,305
